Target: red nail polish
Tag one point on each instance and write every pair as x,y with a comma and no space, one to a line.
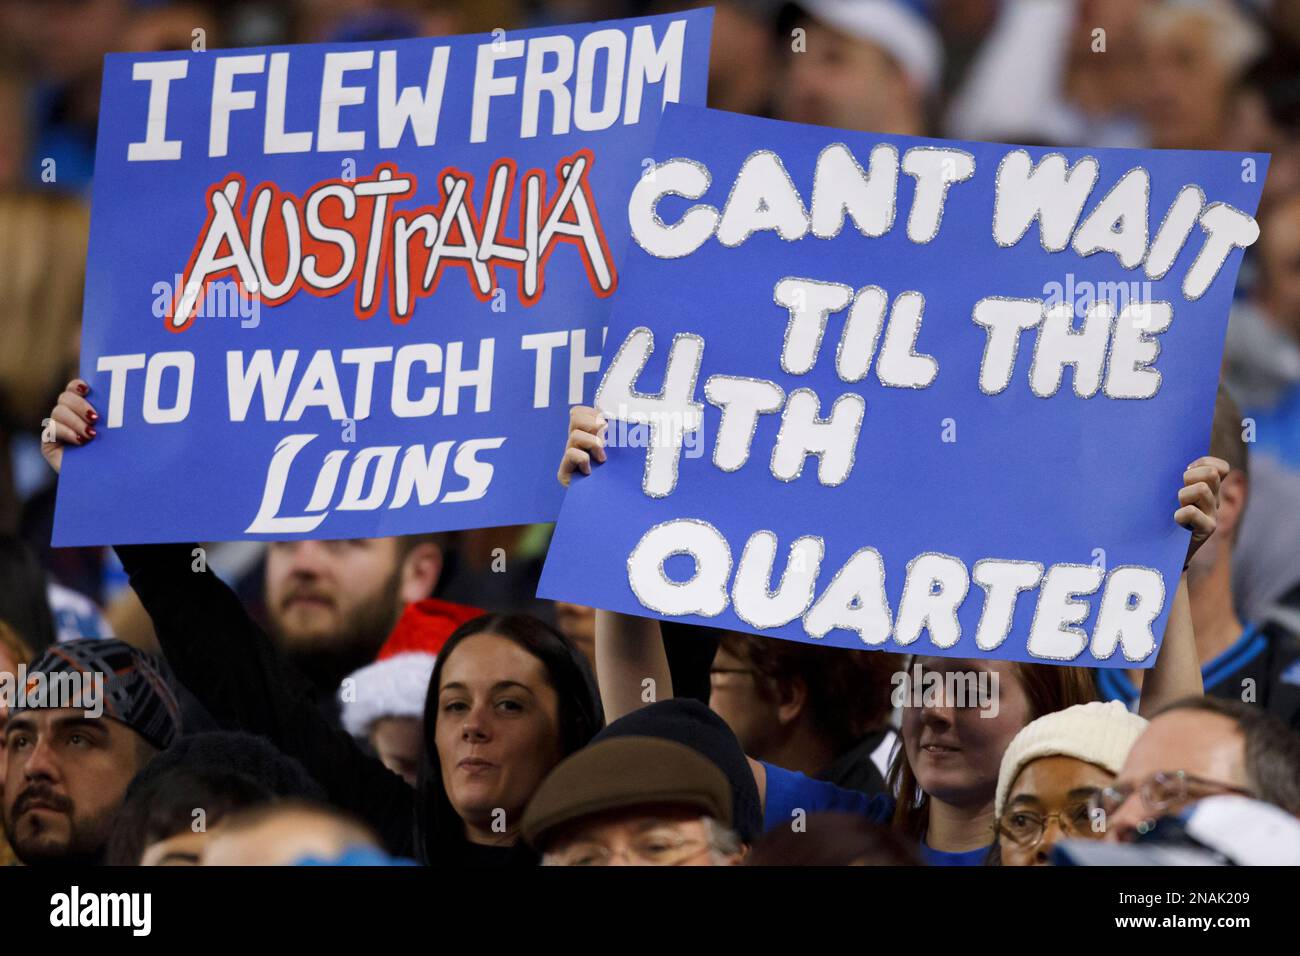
92,415
90,432
81,388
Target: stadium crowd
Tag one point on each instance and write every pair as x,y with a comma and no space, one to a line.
410,700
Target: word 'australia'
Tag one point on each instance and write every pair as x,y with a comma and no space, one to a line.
343,233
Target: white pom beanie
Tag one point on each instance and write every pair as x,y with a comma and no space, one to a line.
393,687
1096,733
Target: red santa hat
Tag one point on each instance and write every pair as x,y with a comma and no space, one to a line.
396,683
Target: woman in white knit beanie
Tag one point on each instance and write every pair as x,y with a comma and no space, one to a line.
1049,772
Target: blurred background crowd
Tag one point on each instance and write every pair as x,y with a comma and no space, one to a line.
1177,74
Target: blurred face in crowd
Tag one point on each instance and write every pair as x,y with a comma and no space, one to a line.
955,752
1279,250
344,597
578,623
182,849
1047,802
72,36
1182,756
284,838
1188,85
497,732
741,60
852,84
398,742
168,28
65,777
638,836
734,695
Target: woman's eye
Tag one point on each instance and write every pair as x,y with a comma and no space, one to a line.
511,706
453,706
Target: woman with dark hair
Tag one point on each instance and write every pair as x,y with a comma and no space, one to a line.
508,699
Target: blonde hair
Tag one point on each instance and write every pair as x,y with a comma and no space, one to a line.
16,646
1237,39
43,238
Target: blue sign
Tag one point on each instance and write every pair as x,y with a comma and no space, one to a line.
907,394
351,290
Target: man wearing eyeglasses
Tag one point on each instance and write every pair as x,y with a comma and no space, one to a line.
1197,748
634,801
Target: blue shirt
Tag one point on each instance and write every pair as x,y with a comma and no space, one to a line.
1114,684
932,857
1277,429
788,791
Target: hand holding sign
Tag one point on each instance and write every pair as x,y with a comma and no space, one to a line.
72,422
1198,500
586,442
364,280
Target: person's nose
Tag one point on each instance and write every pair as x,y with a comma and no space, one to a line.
937,717
1122,825
42,763
477,726
306,559
1051,834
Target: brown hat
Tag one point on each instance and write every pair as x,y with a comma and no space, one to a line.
627,771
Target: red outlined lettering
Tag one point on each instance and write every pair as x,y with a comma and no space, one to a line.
352,234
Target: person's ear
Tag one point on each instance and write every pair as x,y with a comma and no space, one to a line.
1233,493
420,572
791,700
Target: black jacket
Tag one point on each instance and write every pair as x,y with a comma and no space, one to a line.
220,654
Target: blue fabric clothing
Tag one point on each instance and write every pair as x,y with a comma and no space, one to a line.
1224,669
788,790
931,857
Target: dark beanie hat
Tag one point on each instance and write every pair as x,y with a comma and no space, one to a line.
135,692
689,722
237,753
